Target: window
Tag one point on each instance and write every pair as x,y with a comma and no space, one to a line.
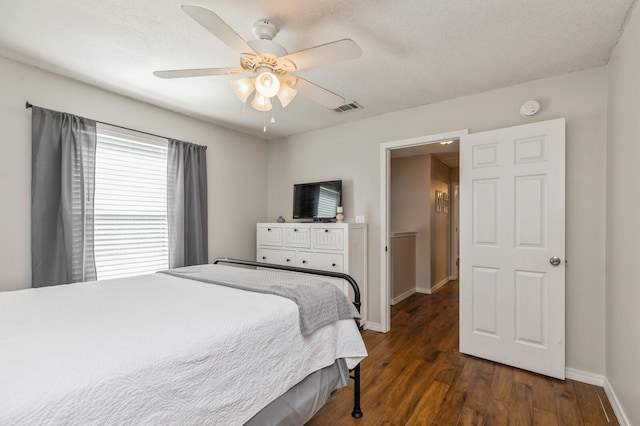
130,206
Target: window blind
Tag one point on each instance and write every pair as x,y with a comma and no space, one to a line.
130,205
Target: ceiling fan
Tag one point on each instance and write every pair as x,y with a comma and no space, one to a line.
266,64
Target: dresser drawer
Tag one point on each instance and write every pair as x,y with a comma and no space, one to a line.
279,257
322,261
328,239
297,237
270,236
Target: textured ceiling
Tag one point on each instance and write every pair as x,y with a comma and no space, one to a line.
415,52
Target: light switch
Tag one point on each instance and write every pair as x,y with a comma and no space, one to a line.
359,219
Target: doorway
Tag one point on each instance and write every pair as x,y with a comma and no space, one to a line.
512,215
385,167
421,217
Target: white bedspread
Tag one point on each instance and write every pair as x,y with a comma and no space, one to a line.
154,350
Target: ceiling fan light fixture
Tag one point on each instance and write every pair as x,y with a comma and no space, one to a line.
261,103
267,84
243,88
268,62
286,94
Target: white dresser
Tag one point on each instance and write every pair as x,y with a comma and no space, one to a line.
338,247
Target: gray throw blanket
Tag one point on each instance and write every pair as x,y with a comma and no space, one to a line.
319,302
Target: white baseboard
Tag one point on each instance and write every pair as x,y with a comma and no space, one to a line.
403,296
615,404
373,326
440,284
584,376
599,380
427,290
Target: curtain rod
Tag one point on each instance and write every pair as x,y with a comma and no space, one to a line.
30,105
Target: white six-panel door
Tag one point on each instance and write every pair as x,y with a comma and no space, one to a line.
512,244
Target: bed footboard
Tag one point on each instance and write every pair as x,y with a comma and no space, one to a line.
357,411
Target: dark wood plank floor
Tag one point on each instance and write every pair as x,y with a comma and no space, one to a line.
414,375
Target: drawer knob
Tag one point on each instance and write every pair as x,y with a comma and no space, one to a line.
288,260
326,230
333,264
304,261
295,229
264,257
268,229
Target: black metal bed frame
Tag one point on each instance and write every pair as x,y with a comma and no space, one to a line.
357,411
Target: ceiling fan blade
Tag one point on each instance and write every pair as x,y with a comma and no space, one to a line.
216,26
336,51
316,93
200,72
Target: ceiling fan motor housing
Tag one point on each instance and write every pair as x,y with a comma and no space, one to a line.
264,29
269,47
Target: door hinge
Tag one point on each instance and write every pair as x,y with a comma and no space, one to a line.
385,249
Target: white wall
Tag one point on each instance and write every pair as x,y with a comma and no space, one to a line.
440,232
351,152
236,163
623,228
410,185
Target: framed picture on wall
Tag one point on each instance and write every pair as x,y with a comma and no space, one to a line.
439,201
446,203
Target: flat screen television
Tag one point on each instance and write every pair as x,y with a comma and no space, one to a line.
317,201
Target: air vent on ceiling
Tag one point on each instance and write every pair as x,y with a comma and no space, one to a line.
348,107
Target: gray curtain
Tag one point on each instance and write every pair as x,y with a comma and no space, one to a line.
62,188
187,203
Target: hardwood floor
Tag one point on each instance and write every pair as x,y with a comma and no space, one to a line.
414,375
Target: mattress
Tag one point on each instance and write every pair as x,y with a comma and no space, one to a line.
155,349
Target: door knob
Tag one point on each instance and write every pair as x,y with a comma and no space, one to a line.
555,261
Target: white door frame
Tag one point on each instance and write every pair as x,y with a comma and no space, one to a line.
385,239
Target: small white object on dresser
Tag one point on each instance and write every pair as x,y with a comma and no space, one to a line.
337,247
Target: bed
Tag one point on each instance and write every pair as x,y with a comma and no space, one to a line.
172,348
